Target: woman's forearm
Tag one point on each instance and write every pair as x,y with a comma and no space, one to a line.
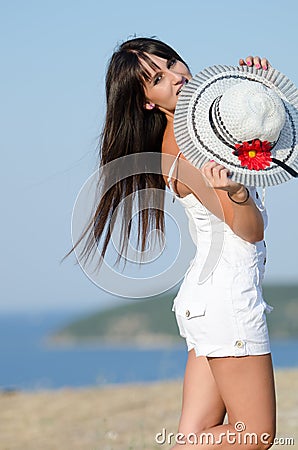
246,220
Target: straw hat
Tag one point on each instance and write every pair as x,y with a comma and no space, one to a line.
243,118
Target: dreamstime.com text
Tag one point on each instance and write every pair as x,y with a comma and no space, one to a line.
239,436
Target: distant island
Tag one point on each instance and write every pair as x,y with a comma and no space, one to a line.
150,323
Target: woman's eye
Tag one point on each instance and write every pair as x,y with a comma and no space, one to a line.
157,79
171,63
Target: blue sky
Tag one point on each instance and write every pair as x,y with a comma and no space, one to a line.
54,55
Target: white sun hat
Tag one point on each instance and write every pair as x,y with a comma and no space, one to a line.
243,118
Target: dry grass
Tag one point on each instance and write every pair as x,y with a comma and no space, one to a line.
114,417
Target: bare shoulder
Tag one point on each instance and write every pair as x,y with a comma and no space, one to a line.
170,150
214,200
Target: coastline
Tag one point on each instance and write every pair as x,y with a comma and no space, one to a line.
114,417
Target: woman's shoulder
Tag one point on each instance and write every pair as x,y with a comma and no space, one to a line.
170,156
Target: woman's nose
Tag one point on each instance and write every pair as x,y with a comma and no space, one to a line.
176,77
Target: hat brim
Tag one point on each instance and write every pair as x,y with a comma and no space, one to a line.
197,140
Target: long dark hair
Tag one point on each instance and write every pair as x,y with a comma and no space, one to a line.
129,129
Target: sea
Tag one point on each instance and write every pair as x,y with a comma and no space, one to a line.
29,363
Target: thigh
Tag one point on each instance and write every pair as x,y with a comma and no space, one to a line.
202,405
246,385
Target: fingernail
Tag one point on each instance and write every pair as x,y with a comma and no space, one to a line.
248,63
211,160
264,67
258,66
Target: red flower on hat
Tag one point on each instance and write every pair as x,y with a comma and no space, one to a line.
254,155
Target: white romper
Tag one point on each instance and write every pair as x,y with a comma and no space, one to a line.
219,308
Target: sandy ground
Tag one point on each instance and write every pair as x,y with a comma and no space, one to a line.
126,417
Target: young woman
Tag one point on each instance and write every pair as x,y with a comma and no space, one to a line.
143,82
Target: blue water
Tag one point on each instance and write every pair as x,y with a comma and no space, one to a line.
27,363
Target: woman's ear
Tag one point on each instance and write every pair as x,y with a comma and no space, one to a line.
149,105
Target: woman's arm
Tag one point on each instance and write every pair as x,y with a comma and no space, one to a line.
245,218
211,186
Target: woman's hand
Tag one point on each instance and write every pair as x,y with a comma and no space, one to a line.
239,212
218,178
255,61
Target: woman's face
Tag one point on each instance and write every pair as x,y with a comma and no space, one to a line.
165,83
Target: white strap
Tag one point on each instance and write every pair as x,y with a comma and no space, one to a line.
170,175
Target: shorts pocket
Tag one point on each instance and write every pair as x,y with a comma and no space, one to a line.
190,310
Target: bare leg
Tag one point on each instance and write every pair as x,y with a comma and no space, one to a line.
202,405
246,386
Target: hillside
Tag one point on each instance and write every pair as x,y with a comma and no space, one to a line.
151,322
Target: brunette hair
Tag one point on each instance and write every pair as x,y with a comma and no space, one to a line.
129,129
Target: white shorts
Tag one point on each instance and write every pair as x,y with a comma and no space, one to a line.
226,315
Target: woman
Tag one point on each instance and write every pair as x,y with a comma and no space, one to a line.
143,82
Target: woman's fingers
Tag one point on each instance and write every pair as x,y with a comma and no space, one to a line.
216,174
255,61
210,167
265,63
249,61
